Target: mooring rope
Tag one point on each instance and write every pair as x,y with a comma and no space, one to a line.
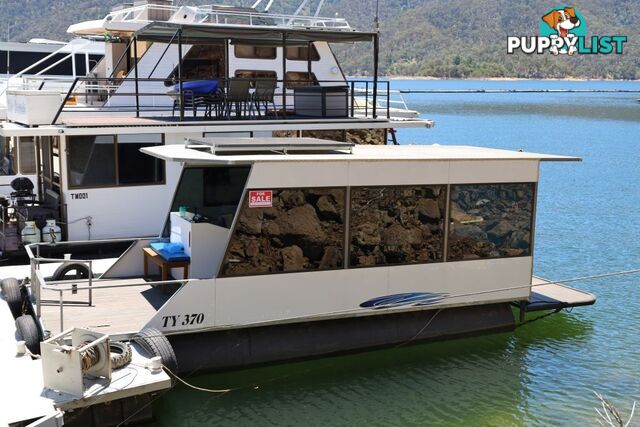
206,390
594,276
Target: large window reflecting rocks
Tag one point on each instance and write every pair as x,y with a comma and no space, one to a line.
396,225
490,221
302,230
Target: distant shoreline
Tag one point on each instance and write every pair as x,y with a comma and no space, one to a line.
499,79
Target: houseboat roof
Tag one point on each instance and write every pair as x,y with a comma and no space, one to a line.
236,151
165,32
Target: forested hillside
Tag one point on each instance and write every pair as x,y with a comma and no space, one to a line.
439,38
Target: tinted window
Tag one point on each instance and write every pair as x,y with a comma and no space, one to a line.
27,155
92,160
490,221
214,193
253,75
303,230
301,53
396,225
254,52
300,79
96,161
8,156
135,167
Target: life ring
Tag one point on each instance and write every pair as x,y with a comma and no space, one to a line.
13,295
156,344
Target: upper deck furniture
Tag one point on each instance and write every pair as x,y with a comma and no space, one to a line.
165,266
321,101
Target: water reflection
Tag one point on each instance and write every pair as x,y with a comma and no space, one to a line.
481,379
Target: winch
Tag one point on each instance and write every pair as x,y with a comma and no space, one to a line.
64,366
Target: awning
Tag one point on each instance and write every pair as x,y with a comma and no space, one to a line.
194,34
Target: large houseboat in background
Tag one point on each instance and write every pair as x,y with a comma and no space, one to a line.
170,73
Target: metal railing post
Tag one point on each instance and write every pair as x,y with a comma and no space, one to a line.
61,311
353,98
64,101
135,75
388,100
90,283
366,98
180,89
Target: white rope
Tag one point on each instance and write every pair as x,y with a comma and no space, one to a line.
207,390
597,276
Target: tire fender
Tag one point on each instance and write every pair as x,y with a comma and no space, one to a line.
156,344
28,332
13,295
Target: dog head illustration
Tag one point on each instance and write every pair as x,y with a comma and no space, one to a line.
563,20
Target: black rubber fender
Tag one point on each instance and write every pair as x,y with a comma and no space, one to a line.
156,344
13,295
120,354
28,332
81,269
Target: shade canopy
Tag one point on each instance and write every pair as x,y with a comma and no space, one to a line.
194,34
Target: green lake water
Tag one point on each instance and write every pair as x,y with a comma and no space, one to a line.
544,373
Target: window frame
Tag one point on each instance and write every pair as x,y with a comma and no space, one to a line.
244,199
254,56
445,228
71,186
292,84
532,222
315,55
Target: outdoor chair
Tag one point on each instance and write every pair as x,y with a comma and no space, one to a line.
237,96
190,103
263,95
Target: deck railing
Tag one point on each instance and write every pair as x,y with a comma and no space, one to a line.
153,97
222,16
91,284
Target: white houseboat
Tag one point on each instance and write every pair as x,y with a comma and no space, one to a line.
280,248
170,73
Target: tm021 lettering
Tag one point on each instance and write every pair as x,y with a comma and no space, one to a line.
79,196
182,320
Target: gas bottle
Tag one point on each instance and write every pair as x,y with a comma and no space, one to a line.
30,233
51,232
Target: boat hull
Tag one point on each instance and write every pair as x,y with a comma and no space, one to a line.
245,347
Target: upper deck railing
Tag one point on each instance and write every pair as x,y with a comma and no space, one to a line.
153,97
221,16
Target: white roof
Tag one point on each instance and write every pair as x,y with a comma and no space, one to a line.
202,154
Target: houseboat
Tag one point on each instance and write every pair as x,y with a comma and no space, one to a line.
279,248
170,73
45,62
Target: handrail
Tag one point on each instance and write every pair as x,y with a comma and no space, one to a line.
105,92
209,14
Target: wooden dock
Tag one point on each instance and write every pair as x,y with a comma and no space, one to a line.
115,310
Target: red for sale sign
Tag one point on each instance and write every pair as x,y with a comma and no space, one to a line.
260,199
